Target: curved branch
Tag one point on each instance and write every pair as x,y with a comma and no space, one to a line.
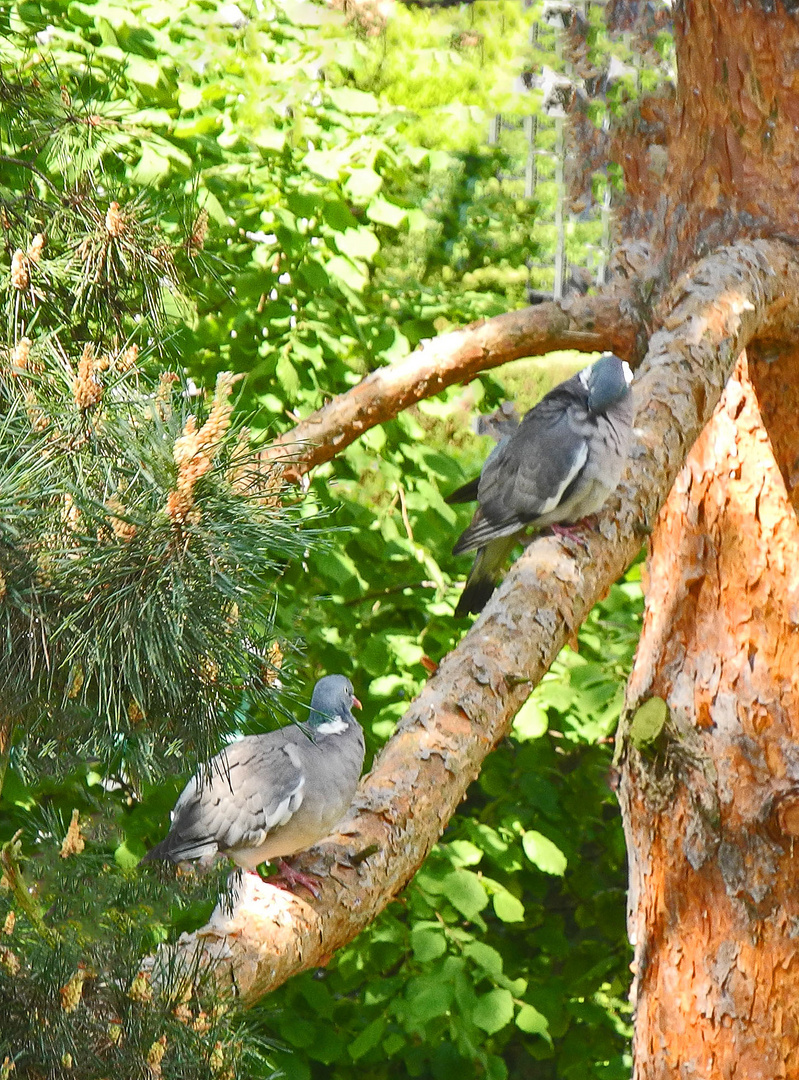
423,772
587,323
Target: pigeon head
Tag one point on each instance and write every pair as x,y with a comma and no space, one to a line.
607,381
332,701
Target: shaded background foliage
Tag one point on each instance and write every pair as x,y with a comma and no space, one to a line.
355,207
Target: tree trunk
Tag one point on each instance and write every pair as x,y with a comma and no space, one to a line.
711,801
733,159
711,808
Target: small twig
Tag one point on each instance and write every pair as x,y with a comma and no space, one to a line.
9,860
378,594
27,165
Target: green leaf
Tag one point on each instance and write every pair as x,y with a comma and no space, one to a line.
530,721
507,907
648,721
547,856
464,891
354,101
531,1021
464,852
358,244
493,1010
362,184
485,957
325,163
434,999
129,854
347,273
368,1038
383,212
428,943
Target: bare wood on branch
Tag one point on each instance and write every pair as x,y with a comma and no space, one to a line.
587,323
423,772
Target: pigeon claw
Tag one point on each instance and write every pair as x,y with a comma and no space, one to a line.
570,532
288,878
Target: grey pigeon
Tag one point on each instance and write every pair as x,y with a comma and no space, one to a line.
271,795
558,467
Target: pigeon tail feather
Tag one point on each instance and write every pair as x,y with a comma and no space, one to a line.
465,493
482,579
176,851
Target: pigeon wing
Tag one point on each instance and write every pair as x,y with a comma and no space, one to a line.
250,789
529,476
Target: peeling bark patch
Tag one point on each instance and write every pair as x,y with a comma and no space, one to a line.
716,959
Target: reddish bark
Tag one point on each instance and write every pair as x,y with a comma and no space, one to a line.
711,813
733,164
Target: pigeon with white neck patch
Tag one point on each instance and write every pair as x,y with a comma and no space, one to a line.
559,466
268,796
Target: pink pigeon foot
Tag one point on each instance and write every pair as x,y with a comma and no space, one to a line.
570,532
288,878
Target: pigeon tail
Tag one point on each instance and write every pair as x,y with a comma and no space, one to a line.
465,493
482,579
174,850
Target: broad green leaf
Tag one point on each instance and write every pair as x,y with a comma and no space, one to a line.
358,244
344,271
428,943
531,1021
384,212
485,957
464,891
431,1001
326,163
507,907
493,1010
354,101
362,184
648,721
368,1038
128,855
530,722
540,850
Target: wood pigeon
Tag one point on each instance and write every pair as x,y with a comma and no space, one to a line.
271,795
558,467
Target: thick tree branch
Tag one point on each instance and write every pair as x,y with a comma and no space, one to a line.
587,323
423,772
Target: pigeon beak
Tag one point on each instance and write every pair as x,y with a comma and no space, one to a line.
356,702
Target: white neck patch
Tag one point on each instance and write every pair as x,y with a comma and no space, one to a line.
333,727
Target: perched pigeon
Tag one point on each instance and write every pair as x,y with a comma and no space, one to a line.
271,795
557,467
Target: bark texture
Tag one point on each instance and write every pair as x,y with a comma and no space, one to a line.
587,323
712,809
733,161
711,805
424,770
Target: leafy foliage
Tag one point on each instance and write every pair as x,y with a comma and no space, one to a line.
352,209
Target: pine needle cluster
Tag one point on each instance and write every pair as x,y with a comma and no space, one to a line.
139,542
75,997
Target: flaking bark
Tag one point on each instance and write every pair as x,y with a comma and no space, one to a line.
711,811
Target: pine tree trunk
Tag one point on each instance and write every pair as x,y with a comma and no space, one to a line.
733,153
712,807
711,804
